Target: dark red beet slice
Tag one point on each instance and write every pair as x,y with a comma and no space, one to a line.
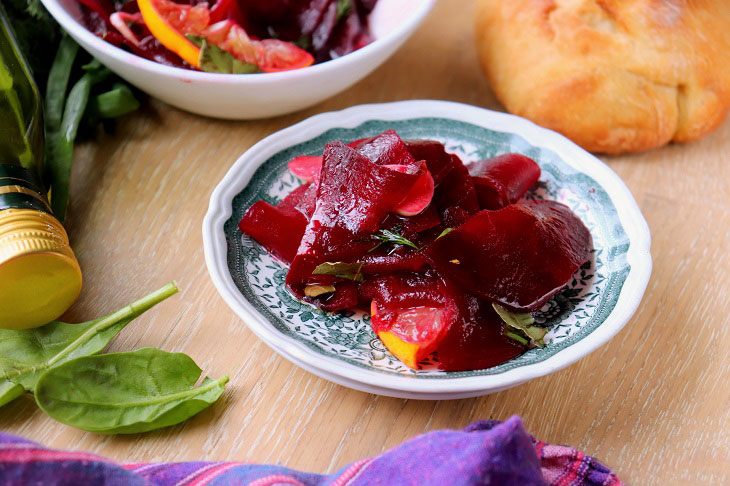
308,200
518,256
434,153
411,226
454,217
279,231
294,199
387,149
354,196
382,263
403,290
456,189
503,180
478,341
345,297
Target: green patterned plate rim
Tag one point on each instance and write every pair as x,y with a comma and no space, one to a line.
328,339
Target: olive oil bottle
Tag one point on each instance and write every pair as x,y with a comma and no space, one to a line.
39,275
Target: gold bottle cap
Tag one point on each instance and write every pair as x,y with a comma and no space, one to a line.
39,275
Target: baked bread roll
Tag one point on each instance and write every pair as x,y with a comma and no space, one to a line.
612,75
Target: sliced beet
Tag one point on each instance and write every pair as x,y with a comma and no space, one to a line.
308,201
354,196
454,217
412,225
434,153
418,198
295,198
306,167
383,263
503,180
387,149
404,290
518,256
345,297
278,230
456,189
477,340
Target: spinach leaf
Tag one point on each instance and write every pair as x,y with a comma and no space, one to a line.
9,391
126,393
27,353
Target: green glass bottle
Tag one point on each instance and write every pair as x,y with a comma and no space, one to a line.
39,275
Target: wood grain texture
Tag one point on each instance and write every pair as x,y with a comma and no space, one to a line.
652,403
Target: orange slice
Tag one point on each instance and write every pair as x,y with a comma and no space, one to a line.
415,334
169,22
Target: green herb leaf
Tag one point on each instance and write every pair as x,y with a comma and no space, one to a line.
343,9
317,290
26,354
516,337
9,391
213,59
385,236
126,393
522,323
444,233
350,271
304,42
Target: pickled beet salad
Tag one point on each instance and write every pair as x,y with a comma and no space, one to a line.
232,36
448,258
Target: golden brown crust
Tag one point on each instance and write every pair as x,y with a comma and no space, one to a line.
613,75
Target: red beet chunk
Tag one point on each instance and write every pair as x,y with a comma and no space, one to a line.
412,225
503,180
456,189
401,261
295,198
401,290
518,256
279,231
387,149
477,342
354,196
434,153
345,297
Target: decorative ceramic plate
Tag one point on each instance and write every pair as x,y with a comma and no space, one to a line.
341,347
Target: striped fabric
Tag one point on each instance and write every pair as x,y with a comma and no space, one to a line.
485,453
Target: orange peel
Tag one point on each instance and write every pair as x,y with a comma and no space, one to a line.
167,34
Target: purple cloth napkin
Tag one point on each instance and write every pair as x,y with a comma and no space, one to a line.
485,453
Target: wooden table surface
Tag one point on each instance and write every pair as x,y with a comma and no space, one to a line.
652,403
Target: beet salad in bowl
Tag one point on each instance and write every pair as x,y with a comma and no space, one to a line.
426,249
240,59
232,36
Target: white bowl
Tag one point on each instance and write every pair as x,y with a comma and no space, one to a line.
341,347
251,96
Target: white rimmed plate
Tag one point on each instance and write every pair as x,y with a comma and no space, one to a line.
341,347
